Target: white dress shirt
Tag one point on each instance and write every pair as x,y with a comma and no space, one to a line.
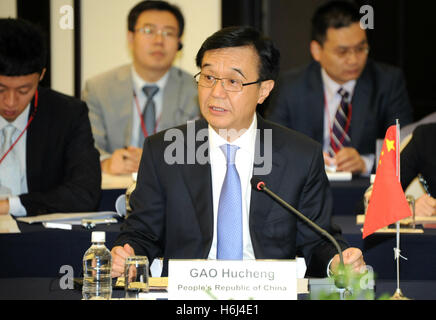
138,84
15,206
333,99
244,164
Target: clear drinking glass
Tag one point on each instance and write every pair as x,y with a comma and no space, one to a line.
136,273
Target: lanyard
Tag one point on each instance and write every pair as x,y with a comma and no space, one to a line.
347,125
144,129
25,129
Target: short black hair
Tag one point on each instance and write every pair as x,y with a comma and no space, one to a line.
23,48
136,11
333,14
240,36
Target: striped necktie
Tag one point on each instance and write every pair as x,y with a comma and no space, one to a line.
341,130
229,221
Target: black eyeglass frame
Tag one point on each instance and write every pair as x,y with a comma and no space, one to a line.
216,79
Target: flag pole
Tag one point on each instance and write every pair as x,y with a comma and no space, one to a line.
398,295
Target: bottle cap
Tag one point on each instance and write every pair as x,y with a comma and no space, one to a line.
98,236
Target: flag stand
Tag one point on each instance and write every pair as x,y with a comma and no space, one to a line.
388,203
398,295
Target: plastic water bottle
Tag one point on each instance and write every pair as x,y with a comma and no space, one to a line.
97,265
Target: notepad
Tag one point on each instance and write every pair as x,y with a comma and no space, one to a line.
109,181
8,224
339,176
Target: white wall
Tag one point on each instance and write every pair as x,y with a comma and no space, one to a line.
104,30
8,8
62,47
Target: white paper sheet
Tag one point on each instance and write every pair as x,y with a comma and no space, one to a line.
339,176
68,217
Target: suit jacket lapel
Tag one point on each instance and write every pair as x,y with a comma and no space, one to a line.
315,103
36,138
198,181
260,204
360,107
125,97
171,100
201,191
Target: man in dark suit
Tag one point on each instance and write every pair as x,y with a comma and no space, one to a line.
193,198
418,158
48,162
373,95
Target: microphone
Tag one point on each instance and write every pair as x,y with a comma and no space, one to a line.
259,185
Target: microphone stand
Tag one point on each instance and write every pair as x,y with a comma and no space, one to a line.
340,279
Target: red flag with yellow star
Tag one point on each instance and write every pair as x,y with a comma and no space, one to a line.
388,203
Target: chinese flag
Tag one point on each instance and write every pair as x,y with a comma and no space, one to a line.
388,203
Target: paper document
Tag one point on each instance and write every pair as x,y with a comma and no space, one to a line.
70,218
8,224
360,219
339,176
53,225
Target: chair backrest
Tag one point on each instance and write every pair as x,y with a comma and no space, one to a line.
407,130
415,188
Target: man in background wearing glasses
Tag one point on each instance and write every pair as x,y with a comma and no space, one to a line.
342,99
134,101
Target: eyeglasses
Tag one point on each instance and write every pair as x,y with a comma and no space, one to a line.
231,85
359,51
151,31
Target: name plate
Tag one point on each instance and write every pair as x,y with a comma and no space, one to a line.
232,280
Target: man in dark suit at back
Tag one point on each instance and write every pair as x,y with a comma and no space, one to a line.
418,158
48,162
342,99
193,198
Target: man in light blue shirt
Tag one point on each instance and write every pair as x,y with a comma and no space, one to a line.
48,162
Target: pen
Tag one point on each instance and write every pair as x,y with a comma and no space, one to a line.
124,157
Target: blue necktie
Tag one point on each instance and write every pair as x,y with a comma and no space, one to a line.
149,113
10,171
229,225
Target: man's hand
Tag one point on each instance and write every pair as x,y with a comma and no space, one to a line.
352,257
348,159
4,207
122,161
425,206
119,255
